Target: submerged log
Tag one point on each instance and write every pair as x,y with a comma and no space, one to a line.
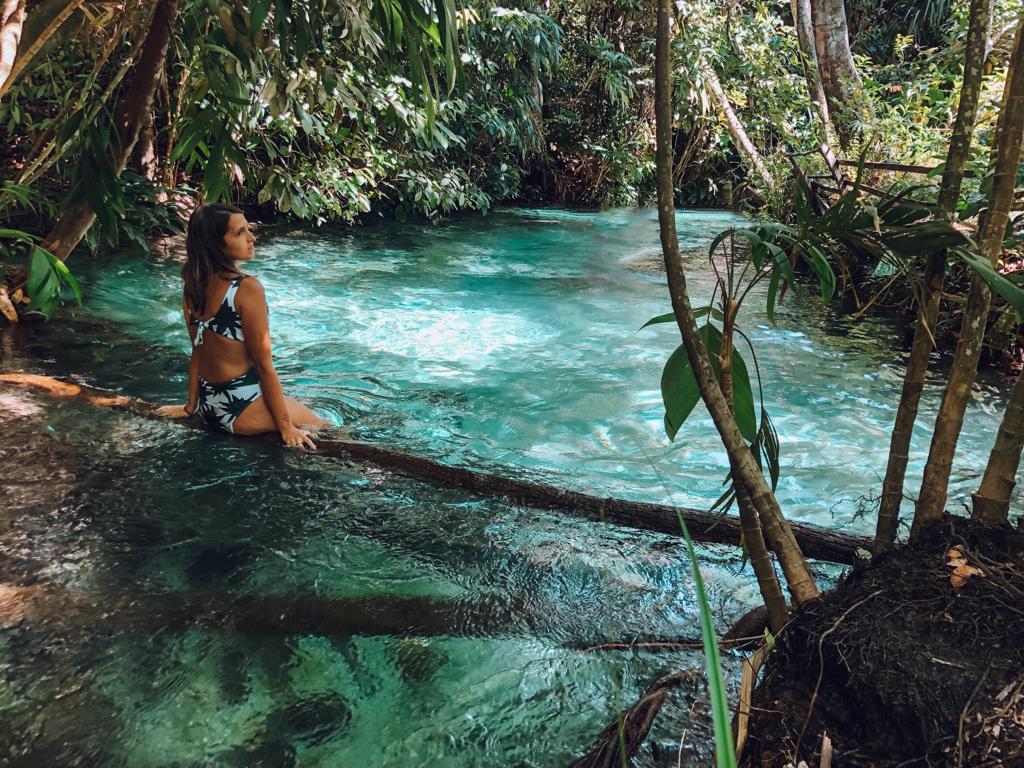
815,542
66,610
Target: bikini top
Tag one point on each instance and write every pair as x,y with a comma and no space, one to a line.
227,322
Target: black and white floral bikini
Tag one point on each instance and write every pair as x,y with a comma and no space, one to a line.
221,403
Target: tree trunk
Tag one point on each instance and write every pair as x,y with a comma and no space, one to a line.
839,77
30,47
817,542
134,104
980,24
1009,135
733,125
992,500
753,537
12,20
145,157
802,20
741,460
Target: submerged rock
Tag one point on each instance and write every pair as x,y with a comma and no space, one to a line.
415,659
312,720
219,562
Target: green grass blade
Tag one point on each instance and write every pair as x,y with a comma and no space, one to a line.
725,750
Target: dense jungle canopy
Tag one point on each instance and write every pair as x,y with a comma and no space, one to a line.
329,111
873,148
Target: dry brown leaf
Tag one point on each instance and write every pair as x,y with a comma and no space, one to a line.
962,573
955,558
7,309
18,295
967,571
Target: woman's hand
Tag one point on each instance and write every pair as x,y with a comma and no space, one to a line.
295,437
173,412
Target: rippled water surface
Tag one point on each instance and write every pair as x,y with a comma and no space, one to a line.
198,600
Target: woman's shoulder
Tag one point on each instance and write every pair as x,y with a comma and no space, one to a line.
246,280
249,286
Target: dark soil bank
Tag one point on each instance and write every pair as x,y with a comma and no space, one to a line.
916,661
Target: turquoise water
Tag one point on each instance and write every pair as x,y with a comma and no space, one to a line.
507,343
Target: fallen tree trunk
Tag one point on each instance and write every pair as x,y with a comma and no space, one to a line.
734,127
68,610
815,542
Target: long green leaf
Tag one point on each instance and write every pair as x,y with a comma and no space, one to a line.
725,750
769,442
928,237
17,234
63,273
680,393
996,281
670,317
258,11
773,292
743,396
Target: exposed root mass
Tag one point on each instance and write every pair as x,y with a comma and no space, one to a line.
916,661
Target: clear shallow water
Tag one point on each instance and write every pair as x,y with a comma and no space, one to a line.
506,343
510,342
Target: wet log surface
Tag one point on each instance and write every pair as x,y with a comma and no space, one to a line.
66,610
815,542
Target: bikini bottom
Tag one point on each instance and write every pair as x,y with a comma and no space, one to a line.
220,404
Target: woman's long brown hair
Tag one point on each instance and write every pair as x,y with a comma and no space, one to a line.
204,249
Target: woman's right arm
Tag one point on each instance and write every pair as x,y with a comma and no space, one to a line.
256,329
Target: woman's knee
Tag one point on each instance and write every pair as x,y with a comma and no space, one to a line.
301,415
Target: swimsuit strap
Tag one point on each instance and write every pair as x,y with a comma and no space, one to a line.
229,299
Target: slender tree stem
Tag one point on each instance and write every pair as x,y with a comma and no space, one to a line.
22,61
979,27
992,500
1009,135
735,128
753,537
12,21
741,460
802,20
839,76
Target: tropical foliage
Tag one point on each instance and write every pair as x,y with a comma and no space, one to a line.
332,110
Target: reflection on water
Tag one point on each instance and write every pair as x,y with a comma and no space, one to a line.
161,576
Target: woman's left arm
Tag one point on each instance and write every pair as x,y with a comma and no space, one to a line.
193,384
252,304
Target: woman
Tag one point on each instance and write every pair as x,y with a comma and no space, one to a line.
232,383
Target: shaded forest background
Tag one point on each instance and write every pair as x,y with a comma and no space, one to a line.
325,115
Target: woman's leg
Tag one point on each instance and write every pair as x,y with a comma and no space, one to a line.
302,416
257,419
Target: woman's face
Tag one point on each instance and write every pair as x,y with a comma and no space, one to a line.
239,243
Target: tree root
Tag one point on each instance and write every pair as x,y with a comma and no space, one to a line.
619,741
